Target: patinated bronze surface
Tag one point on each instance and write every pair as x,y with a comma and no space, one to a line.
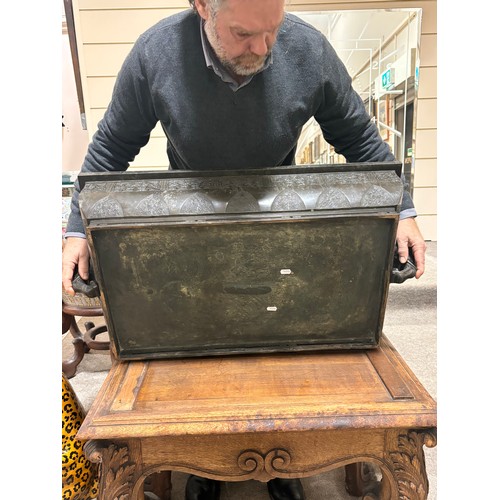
203,263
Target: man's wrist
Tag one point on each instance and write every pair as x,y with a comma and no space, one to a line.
74,234
406,214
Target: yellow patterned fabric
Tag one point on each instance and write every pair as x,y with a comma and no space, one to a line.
79,475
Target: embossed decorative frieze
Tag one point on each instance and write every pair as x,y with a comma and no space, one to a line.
240,194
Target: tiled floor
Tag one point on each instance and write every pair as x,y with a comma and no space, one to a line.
410,324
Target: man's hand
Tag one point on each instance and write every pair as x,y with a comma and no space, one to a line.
75,255
408,236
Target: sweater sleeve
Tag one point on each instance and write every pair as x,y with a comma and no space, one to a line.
124,129
345,123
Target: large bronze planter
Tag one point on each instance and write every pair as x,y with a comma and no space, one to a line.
243,261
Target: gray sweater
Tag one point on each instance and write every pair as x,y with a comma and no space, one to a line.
211,125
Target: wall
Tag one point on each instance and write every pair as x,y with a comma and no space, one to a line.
74,137
106,30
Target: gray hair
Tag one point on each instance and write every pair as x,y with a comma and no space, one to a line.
213,5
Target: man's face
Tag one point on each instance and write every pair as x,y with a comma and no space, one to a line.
243,32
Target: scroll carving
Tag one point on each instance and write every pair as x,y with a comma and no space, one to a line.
408,463
117,470
264,466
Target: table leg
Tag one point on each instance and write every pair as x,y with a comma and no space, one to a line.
121,476
160,484
360,480
406,475
79,346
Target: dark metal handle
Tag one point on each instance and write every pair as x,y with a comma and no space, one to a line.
89,287
402,272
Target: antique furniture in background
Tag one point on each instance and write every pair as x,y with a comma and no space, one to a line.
82,341
85,306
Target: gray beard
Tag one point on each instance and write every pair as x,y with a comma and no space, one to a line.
245,65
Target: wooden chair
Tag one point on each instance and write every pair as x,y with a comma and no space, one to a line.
82,341
85,306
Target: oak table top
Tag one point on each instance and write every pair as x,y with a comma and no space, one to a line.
260,410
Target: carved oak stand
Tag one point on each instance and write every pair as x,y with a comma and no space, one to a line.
264,416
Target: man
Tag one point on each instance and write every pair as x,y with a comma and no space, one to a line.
232,82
